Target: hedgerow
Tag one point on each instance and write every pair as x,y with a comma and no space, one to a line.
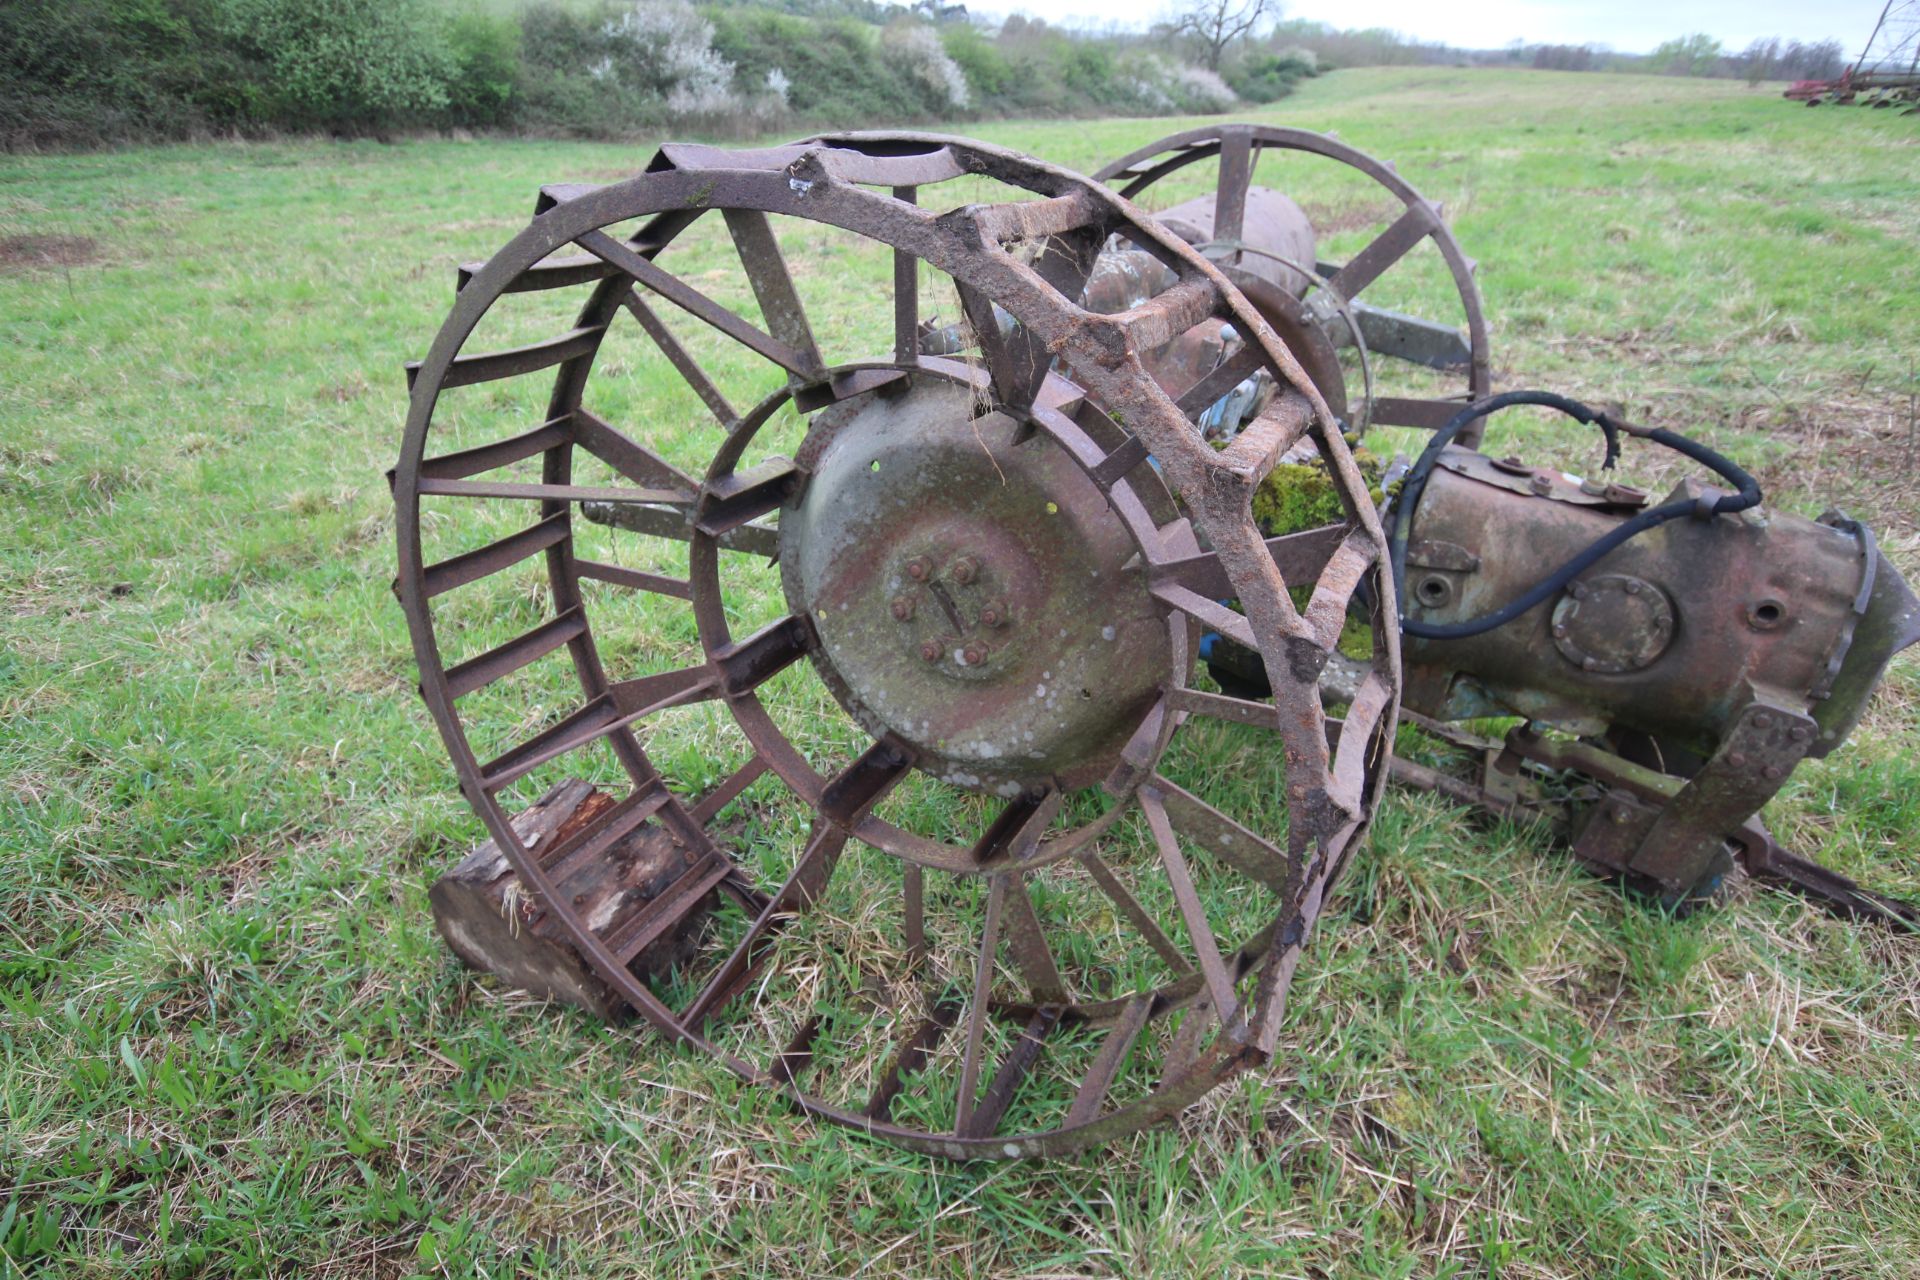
76,73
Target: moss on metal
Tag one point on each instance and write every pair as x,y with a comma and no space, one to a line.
1301,495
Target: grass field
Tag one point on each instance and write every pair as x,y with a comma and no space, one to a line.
232,1044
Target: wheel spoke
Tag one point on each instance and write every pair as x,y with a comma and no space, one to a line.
710,805
912,1056
679,357
1208,612
634,579
1299,556
913,910
1006,1079
1136,915
1236,173
906,294
626,455
1017,360
1262,715
1187,1039
697,304
1250,854
673,524
1429,415
1213,967
1221,379
798,1055
624,704
1108,1060
803,886
977,1004
1027,945
772,284
512,491
1385,249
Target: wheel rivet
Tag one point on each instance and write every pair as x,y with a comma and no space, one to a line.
994,615
965,570
902,607
974,654
918,568
930,651
1774,773
1737,760
1762,720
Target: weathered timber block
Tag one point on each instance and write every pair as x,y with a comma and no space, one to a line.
495,924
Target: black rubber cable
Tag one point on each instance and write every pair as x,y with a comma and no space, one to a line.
1408,500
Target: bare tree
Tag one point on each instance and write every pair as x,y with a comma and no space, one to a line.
1216,24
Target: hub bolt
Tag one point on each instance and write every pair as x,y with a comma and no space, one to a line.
994,615
965,570
918,568
1540,485
930,651
902,608
974,654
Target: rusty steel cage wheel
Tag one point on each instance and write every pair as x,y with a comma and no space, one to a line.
998,575
1315,324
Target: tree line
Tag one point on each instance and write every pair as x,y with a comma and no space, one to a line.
1697,55
76,73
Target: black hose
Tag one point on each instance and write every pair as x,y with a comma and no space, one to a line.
1404,505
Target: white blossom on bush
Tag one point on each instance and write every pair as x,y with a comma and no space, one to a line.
665,48
1306,57
918,50
1204,90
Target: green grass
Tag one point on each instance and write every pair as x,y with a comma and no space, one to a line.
231,1043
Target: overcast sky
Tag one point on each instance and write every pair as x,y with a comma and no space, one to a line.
1631,26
